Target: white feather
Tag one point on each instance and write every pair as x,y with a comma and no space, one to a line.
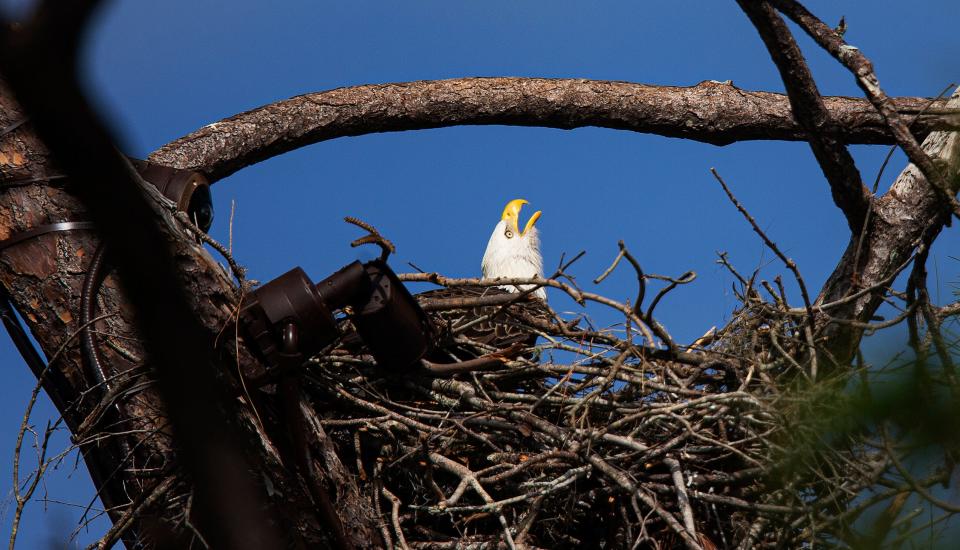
518,256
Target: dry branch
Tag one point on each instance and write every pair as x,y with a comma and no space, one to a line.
853,59
712,112
909,215
849,193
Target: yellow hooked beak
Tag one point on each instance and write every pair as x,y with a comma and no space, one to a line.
511,215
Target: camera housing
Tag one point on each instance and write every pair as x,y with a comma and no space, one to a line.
188,189
387,317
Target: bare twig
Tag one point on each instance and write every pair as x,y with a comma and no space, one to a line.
373,237
790,264
682,499
233,210
23,498
395,517
144,501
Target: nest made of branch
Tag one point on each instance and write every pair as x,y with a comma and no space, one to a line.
591,438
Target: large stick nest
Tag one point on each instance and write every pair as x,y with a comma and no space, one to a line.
591,438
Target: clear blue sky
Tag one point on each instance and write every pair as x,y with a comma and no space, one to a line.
163,69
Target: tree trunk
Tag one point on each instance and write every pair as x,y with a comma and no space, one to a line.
911,214
44,276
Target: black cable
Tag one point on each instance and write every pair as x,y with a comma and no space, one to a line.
88,300
92,282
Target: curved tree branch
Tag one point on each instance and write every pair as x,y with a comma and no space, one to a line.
711,112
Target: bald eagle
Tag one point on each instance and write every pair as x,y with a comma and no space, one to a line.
510,253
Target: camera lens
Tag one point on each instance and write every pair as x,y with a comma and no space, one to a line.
201,208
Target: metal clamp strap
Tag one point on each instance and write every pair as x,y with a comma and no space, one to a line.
43,229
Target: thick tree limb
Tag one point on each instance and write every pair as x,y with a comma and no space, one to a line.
909,215
849,193
44,276
711,112
854,60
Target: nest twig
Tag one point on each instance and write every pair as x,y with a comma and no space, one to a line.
373,237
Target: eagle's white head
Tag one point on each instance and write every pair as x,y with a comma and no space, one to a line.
514,253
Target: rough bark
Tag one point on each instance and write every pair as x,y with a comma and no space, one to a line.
857,63
910,214
44,276
712,112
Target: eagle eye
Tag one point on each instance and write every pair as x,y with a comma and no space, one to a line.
508,234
